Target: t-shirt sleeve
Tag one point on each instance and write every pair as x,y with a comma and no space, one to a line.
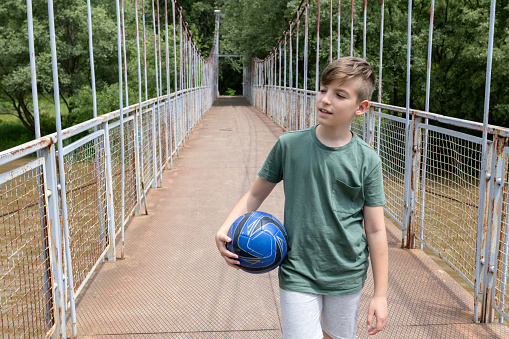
373,187
272,169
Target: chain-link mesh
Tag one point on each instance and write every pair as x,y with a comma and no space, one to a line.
176,126
501,299
130,198
158,138
446,220
26,300
85,175
356,126
148,157
390,144
162,136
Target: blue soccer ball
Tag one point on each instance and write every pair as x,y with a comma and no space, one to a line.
259,239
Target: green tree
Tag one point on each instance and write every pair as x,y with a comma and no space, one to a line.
72,53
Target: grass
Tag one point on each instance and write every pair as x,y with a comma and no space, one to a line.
12,131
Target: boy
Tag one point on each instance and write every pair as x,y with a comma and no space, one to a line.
333,185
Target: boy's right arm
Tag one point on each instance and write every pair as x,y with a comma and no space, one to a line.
250,202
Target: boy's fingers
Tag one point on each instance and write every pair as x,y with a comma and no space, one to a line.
370,318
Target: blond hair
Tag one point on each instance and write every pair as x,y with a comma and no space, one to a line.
347,68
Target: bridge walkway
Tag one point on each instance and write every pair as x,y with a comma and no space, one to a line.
172,282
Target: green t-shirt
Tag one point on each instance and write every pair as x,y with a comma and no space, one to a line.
325,191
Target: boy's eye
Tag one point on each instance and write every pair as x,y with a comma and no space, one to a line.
340,95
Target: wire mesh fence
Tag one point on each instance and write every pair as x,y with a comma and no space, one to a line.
85,172
390,145
148,144
129,175
447,198
25,274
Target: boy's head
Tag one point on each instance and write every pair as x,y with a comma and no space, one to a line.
351,68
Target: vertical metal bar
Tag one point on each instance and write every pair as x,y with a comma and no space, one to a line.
493,233
33,73
297,52
339,28
124,53
181,79
156,106
138,144
280,92
122,142
380,68
351,32
41,195
94,110
160,79
56,96
306,63
56,238
426,132
290,78
144,49
286,89
486,306
364,31
503,285
168,89
408,144
330,33
280,63
175,81
186,72
317,49
154,141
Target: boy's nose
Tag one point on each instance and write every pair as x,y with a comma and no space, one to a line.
326,99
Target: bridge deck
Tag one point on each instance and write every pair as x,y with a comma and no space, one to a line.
173,283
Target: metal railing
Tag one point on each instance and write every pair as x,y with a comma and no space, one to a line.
446,187
31,244
62,213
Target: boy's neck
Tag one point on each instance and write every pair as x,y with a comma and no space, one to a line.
334,137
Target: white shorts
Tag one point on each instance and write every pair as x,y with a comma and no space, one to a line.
305,315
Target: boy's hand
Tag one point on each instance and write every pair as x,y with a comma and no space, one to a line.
377,308
229,257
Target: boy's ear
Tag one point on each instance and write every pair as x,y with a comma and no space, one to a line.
362,108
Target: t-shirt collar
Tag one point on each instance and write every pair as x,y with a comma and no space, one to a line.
350,144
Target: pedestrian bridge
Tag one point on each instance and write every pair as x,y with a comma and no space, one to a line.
107,228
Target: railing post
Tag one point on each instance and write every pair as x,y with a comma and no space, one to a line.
111,254
482,222
494,204
503,255
412,164
414,180
138,150
55,237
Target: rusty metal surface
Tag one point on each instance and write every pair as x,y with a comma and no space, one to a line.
174,284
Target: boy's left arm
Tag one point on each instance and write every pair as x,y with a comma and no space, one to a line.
374,225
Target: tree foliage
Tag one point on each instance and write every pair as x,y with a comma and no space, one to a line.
459,53
252,28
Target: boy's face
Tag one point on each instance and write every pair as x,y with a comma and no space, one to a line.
337,104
